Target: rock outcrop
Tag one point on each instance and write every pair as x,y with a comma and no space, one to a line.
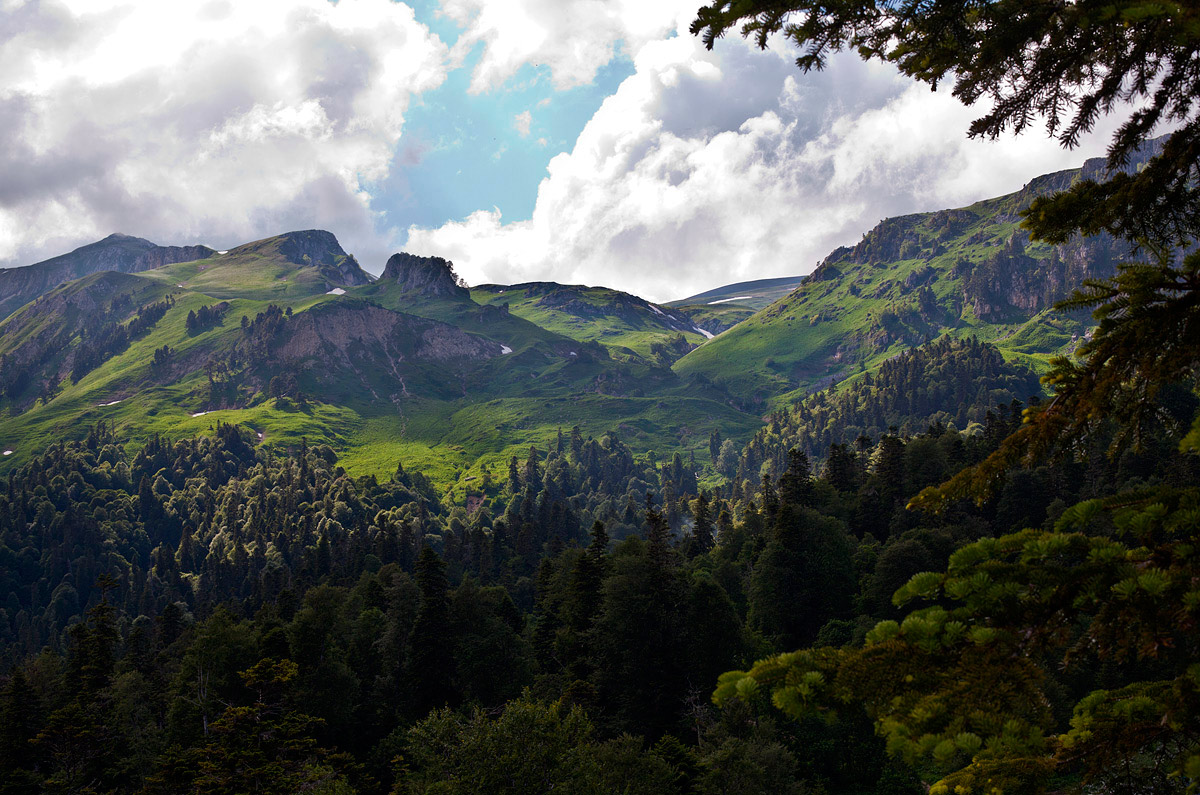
329,333
321,249
350,348
432,277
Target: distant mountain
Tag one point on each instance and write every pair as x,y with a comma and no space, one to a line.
624,323
965,272
291,338
754,294
121,253
291,265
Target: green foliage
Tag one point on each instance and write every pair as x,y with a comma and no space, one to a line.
947,382
964,688
1145,345
529,748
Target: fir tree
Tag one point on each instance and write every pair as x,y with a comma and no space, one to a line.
432,660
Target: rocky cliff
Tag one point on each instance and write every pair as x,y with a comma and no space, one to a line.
321,249
354,347
432,277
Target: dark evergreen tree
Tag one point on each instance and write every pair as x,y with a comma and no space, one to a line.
431,667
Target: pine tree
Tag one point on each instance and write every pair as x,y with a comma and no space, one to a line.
714,446
702,534
432,657
19,718
658,537
795,487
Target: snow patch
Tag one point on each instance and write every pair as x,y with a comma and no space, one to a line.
111,403
336,291
707,334
226,251
181,285
505,349
573,353
727,300
199,413
657,311
8,452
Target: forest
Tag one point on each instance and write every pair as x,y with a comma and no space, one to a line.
946,575
204,616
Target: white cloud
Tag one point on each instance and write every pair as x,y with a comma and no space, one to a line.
208,121
709,168
522,122
574,38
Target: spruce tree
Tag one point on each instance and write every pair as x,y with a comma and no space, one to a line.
702,535
432,655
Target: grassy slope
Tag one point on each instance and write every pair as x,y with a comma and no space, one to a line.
255,271
514,400
823,329
716,318
755,294
623,322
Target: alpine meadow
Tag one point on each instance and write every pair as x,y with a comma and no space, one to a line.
890,484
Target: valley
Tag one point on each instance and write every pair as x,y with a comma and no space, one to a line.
299,342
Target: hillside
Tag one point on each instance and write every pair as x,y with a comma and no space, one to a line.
293,265
121,253
958,384
754,294
967,271
624,323
291,338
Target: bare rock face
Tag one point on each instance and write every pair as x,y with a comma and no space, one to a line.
433,277
330,333
350,347
169,255
120,253
321,250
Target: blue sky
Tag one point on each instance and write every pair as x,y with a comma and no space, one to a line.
463,151
644,162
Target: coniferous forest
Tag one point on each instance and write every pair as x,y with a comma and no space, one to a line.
944,564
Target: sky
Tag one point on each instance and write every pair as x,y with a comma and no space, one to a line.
578,141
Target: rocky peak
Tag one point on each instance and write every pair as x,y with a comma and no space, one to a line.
318,249
430,276
311,247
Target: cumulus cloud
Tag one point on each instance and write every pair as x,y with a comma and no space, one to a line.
246,120
573,38
708,168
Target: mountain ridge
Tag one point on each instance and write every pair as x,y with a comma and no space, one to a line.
116,252
912,278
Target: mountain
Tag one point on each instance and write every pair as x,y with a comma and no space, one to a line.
626,324
291,265
754,294
431,277
121,253
289,337
969,271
